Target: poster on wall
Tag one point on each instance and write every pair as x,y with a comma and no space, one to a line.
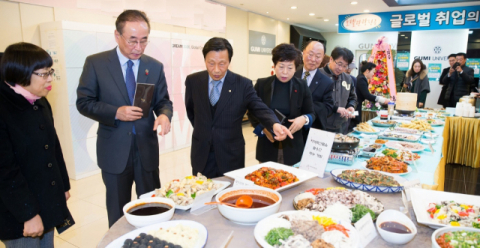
475,65
260,43
402,61
434,71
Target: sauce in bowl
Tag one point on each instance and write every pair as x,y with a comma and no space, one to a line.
395,227
149,209
259,201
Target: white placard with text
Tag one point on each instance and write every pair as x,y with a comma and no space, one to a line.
317,150
366,230
240,182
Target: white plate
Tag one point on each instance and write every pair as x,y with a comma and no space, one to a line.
376,131
422,197
370,188
437,124
224,186
409,169
302,175
263,227
394,145
430,135
428,141
202,232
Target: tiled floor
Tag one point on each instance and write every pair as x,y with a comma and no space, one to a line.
87,202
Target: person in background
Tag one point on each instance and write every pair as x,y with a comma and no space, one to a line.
216,101
399,78
459,81
451,60
344,96
351,67
367,70
127,144
34,183
417,82
324,62
291,97
319,84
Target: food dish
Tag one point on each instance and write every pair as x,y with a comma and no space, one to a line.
452,213
403,155
188,190
302,175
400,136
421,198
407,130
430,135
387,164
364,180
380,141
306,227
271,178
427,141
389,224
421,125
380,123
435,123
200,242
345,142
413,147
148,218
365,128
454,233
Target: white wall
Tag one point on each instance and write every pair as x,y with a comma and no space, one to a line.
336,39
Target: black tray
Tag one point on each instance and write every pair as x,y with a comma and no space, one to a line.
345,145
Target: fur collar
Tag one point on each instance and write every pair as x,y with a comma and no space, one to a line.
423,74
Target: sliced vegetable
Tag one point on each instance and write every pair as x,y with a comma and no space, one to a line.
169,193
273,237
359,211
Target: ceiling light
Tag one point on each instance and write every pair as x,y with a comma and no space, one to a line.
326,20
402,35
470,32
353,3
406,37
293,7
288,18
267,12
311,14
366,10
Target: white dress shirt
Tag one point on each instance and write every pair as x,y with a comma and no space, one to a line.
310,77
124,65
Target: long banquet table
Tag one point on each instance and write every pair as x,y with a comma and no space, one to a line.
219,227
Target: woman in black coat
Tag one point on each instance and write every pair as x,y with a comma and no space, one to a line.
34,184
367,70
287,96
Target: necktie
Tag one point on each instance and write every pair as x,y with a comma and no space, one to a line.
307,73
214,93
131,85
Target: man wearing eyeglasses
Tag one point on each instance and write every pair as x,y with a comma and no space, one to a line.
320,85
127,143
344,96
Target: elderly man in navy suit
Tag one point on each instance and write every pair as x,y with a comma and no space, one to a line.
320,85
216,100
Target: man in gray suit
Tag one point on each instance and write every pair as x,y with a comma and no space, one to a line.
127,144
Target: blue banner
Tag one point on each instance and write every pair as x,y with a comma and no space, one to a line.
411,20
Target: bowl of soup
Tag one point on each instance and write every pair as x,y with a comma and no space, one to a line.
395,227
148,211
265,202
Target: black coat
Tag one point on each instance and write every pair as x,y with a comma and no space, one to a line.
459,85
441,99
362,95
223,130
322,98
300,104
33,176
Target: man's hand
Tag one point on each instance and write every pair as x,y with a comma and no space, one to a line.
164,122
33,227
451,71
350,111
342,111
387,101
459,69
129,113
67,195
297,124
420,104
281,132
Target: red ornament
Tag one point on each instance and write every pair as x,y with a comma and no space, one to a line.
146,72
295,91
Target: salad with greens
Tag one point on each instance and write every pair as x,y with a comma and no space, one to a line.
460,239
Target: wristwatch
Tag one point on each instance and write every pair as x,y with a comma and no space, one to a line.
306,118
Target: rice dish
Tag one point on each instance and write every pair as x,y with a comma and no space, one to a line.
337,238
339,211
180,235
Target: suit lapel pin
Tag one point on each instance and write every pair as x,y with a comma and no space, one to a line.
229,90
295,91
316,82
146,72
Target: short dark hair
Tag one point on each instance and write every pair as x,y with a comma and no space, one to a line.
218,44
343,52
452,55
365,65
421,64
131,15
462,54
20,60
286,52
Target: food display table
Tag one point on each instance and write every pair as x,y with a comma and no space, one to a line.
219,227
368,115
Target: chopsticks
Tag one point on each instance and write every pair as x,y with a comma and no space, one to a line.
224,245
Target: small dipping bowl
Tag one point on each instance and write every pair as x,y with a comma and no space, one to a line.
439,232
399,217
145,220
248,216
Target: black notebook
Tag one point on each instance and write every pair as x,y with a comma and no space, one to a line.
143,97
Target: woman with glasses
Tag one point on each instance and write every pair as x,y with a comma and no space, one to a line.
291,100
417,82
34,184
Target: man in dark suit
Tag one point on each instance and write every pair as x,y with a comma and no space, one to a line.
459,81
127,144
216,101
320,85
452,58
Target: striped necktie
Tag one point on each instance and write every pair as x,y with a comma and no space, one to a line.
307,73
214,93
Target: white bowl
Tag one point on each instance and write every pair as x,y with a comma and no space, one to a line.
443,230
141,221
248,216
396,238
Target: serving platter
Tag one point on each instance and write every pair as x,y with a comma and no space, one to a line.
379,123
263,226
224,184
399,145
302,175
386,135
369,188
376,131
202,232
409,169
422,197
